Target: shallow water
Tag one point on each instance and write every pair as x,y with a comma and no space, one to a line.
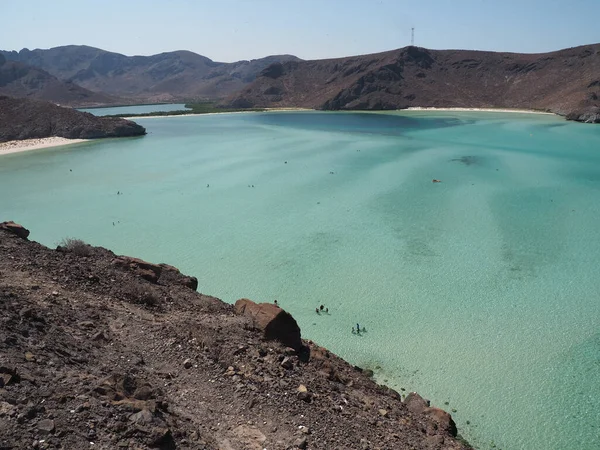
480,291
135,109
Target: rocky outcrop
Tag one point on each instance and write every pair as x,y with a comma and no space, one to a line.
564,82
440,419
274,322
154,273
15,228
28,119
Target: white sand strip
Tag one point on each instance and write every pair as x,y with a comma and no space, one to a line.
34,144
523,111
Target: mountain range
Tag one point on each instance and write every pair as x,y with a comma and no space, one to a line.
565,82
172,76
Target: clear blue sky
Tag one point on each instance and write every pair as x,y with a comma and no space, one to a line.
230,30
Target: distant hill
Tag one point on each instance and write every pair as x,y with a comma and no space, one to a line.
21,80
27,119
565,82
164,77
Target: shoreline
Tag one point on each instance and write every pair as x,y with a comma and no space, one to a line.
464,109
24,145
411,108
215,113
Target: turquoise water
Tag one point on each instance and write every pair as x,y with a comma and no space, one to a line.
481,291
135,109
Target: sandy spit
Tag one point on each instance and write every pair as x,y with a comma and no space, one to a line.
35,144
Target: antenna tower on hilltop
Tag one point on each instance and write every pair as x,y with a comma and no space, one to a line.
412,36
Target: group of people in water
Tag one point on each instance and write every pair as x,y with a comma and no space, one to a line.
321,309
324,310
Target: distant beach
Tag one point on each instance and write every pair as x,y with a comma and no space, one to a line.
524,111
35,144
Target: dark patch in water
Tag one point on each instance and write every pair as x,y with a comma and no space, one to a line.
353,122
467,160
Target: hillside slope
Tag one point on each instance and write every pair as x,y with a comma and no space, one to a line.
125,354
566,82
18,79
163,77
28,119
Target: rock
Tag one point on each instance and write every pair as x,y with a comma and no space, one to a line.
275,323
46,426
415,403
15,228
301,442
148,271
442,419
143,417
144,392
383,412
187,363
303,394
172,275
29,357
287,363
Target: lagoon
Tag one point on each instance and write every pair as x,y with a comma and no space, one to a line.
480,292
136,109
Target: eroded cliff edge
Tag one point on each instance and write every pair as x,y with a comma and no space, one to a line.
113,350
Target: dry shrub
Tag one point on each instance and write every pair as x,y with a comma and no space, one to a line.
75,246
141,295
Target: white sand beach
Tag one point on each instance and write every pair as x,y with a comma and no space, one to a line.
35,144
499,110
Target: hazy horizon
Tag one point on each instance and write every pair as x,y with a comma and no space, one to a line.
233,30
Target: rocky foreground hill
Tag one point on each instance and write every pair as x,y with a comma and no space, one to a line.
111,351
28,119
168,76
566,82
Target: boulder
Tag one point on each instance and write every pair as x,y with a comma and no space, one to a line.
15,228
415,403
172,275
442,419
275,323
439,419
143,269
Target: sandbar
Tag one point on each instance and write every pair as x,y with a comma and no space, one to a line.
35,144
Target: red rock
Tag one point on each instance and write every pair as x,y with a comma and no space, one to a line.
275,323
442,419
15,228
415,403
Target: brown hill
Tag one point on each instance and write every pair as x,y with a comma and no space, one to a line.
21,80
164,77
121,353
27,119
566,82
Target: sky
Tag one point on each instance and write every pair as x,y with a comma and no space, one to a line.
232,30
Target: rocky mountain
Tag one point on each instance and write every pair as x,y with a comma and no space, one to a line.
566,82
123,353
164,77
18,79
27,119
